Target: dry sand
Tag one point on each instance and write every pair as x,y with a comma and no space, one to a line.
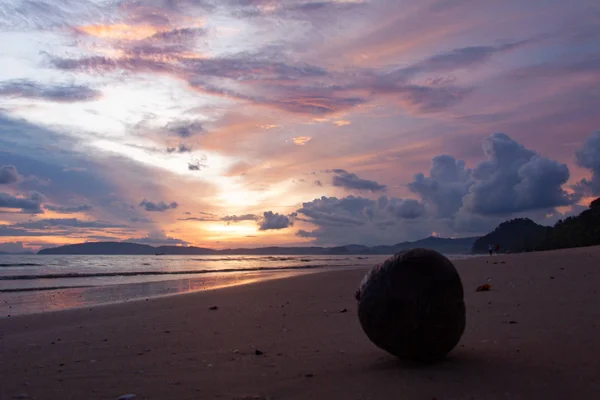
535,335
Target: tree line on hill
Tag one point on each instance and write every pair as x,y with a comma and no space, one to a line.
522,234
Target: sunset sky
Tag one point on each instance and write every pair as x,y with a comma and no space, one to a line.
222,123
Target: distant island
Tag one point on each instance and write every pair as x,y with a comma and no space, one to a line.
443,245
522,234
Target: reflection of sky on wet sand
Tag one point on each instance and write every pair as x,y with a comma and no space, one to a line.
55,300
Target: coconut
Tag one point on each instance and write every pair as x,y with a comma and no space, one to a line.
412,305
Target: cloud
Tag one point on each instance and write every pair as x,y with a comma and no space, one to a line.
238,218
157,207
13,247
198,219
445,187
429,99
341,123
157,238
8,175
354,219
515,179
141,220
275,221
48,14
184,129
69,209
32,204
9,230
405,208
464,57
588,156
182,148
351,181
66,222
301,140
37,91
196,165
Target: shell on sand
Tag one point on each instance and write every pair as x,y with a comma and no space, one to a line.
412,305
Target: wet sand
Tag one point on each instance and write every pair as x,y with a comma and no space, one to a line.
535,335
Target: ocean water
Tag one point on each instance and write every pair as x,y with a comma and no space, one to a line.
41,283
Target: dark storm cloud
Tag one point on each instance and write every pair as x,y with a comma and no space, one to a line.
448,182
69,209
60,93
8,175
239,218
275,221
588,156
161,206
31,204
351,181
515,179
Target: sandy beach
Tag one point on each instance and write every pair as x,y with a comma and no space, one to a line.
535,335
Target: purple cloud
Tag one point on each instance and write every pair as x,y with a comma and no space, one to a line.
157,207
60,93
8,175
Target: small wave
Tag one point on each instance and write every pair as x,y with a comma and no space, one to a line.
37,289
150,273
20,265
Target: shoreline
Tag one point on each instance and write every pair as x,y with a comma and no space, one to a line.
39,299
130,293
300,338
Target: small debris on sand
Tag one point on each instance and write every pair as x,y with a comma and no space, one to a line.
213,308
484,288
258,352
345,310
309,375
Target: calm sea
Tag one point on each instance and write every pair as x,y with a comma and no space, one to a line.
39,283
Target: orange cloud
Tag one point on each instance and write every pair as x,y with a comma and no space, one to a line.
341,123
301,140
120,31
